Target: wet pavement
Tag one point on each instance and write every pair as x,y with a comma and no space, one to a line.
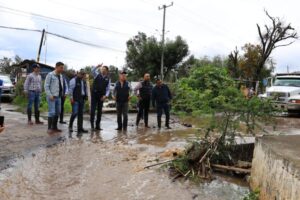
102,165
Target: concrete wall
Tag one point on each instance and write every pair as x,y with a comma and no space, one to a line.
276,168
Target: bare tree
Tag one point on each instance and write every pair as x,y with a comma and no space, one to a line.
233,63
278,34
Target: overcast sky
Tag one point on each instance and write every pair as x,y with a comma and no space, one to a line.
211,27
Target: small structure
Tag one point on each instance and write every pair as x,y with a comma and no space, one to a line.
26,68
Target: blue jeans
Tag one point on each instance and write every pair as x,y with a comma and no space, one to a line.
54,107
34,98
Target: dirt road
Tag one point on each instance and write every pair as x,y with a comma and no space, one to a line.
103,165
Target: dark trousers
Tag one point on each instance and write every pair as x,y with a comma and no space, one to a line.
77,111
96,105
144,106
62,112
160,108
122,111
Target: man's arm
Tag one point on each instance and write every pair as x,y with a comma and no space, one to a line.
137,88
67,86
108,88
114,93
95,70
47,86
153,96
71,88
26,84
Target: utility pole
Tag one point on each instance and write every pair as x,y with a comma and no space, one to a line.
40,47
164,7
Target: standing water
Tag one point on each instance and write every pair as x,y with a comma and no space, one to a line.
109,165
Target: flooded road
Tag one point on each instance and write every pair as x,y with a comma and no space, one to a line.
103,165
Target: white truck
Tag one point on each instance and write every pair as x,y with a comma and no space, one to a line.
284,91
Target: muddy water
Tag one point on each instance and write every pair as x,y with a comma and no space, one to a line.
109,166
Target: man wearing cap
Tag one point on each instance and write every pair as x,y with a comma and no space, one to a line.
161,97
33,89
78,95
54,91
143,91
100,92
121,94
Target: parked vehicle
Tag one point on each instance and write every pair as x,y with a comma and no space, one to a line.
284,91
8,88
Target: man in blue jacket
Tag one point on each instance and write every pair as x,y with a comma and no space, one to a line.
161,97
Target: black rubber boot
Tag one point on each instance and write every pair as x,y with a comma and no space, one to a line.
50,124
29,114
55,121
159,122
168,122
37,118
71,123
137,121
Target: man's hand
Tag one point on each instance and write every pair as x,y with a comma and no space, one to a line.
114,98
52,98
65,96
103,98
129,98
72,101
99,65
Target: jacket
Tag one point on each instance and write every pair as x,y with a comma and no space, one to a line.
161,94
52,84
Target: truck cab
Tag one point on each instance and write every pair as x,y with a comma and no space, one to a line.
284,91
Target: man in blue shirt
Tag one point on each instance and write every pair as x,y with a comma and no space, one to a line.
161,97
100,92
78,95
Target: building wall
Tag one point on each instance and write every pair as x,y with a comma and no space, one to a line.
276,176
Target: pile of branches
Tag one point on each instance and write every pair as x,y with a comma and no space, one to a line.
202,157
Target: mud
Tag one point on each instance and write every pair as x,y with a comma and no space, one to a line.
103,165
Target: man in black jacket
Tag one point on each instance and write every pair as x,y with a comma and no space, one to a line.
161,97
78,95
143,91
100,92
121,94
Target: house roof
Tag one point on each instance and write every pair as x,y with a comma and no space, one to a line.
26,63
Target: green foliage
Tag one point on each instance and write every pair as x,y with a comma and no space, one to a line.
21,100
144,55
133,102
210,90
8,65
253,195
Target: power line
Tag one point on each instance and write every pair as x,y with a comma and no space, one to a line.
63,21
97,13
65,37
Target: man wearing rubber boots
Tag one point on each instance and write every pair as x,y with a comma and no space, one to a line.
54,91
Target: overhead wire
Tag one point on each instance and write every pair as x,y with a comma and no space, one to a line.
62,20
64,37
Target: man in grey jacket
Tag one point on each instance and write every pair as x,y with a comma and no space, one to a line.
54,91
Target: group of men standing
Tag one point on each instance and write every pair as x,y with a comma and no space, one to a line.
57,88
